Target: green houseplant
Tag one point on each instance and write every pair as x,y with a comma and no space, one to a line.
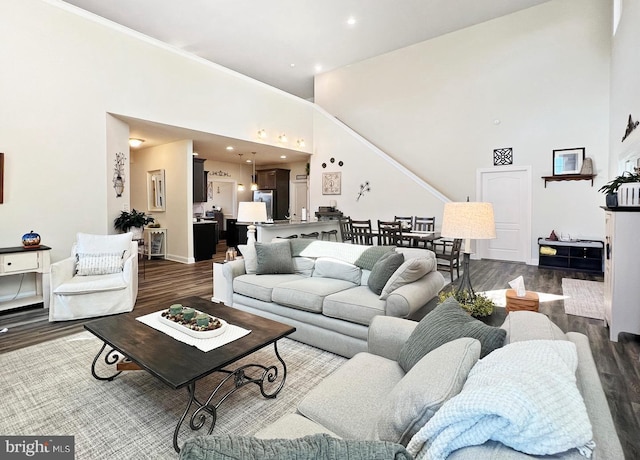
133,219
477,306
610,189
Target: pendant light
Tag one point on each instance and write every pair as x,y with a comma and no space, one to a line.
240,185
254,185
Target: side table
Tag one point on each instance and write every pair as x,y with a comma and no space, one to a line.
155,242
530,301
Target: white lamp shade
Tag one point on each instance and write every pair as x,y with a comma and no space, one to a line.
468,220
252,211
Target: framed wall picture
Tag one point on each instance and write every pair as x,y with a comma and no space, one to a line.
1,178
567,161
331,183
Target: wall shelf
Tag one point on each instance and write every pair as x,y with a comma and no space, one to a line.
568,177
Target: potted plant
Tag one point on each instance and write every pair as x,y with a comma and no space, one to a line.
133,220
477,306
610,189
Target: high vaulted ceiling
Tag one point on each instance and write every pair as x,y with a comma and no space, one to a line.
284,43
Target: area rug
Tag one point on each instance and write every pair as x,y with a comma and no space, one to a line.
48,390
584,298
499,297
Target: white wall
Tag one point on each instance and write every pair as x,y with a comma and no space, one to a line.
64,73
542,72
625,91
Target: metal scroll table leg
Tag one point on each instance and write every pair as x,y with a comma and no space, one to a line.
111,358
240,378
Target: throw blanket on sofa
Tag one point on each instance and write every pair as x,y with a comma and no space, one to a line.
523,395
316,447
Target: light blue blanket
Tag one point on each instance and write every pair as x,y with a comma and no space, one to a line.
523,395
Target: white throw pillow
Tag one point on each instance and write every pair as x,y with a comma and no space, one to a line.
327,267
102,244
99,264
250,258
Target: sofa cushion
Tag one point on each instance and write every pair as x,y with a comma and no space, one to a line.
89,284
326,267
530,325
260,286
447,322
94,244
358,305
274,258
383,269
303,265
347,402
250,257
411,270
308,293
437,377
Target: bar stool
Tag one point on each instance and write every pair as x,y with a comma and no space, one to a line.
312,235
328,234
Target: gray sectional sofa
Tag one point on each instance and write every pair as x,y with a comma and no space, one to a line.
324,289
373,398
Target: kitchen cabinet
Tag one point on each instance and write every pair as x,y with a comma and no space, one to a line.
205,240
276,179
199,181
621,272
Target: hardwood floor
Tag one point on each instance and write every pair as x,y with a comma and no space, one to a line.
161,281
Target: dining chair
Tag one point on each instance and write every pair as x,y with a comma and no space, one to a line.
424,224
448,256
346,231
361,232
390,233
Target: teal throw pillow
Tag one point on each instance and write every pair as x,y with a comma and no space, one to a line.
447,322
274,258
383,269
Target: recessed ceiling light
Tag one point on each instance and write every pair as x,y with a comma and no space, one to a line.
247,161
195,154
283,156
135,142
351,21
230,148
318,68
292,65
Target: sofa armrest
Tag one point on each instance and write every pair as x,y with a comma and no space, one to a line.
230,270
411,297
387,335
62,271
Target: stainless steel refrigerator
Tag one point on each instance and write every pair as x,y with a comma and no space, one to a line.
269,198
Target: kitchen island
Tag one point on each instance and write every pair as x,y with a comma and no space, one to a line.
265,232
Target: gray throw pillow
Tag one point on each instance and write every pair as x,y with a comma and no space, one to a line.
274,258
447,322
383,269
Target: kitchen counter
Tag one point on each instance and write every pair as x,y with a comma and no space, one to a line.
265,232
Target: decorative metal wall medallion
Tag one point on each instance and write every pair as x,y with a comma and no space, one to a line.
220,173
631,125
503,156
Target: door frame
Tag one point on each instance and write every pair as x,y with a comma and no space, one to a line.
526,226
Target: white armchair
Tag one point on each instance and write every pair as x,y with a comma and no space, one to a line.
100,278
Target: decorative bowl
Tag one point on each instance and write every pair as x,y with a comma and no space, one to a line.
217,325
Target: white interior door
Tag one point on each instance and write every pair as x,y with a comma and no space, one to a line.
508,188
299,199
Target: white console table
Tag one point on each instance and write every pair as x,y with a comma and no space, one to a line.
20,260
155,242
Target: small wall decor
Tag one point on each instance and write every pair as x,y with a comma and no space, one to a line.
220,173
631,125
567,161
331,183
503,156
324,165
118,174
587,167
363,188
1,178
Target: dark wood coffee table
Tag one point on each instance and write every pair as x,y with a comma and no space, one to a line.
180,365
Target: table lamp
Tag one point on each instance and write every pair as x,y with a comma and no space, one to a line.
468,221
252,211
